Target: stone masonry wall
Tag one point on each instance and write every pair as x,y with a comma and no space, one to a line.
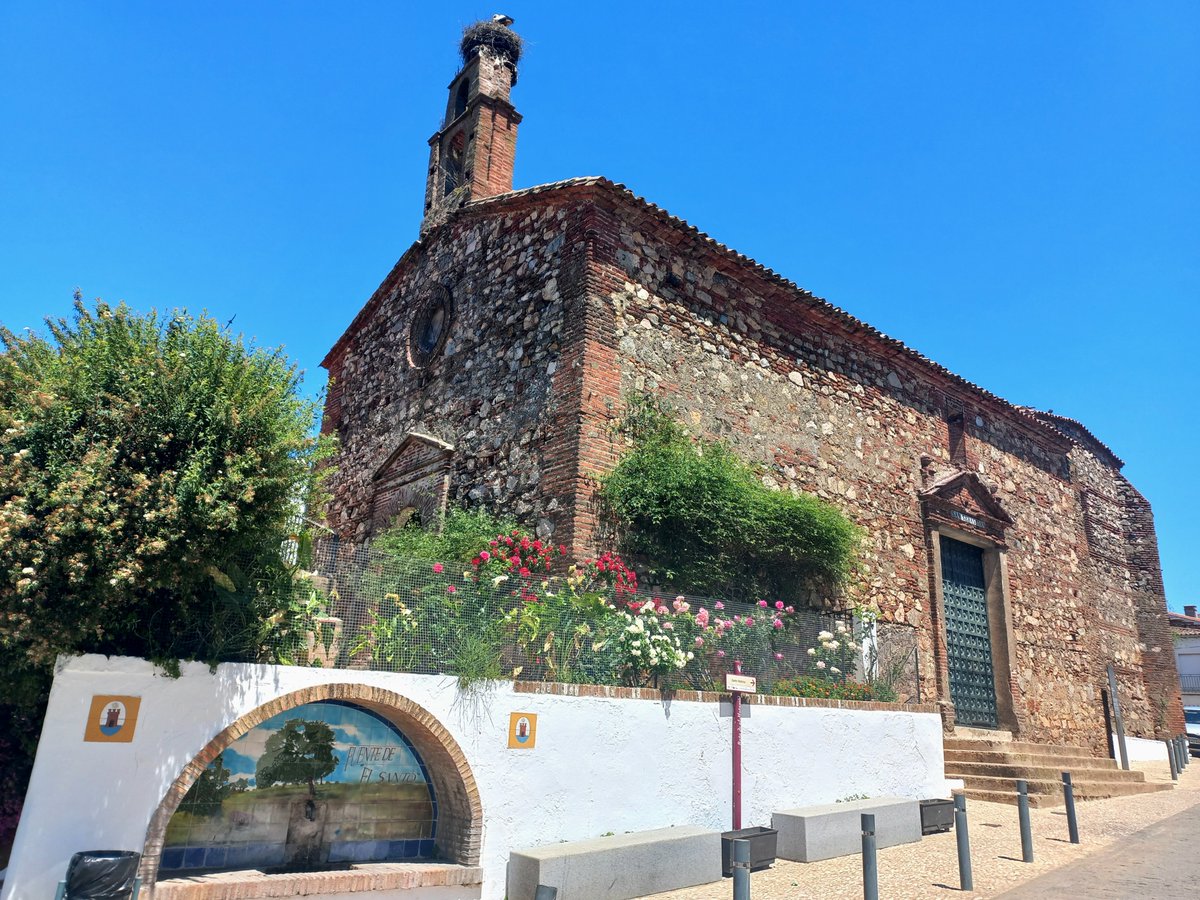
492,393
566,300
813,405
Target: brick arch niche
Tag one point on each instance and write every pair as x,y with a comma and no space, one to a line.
460,814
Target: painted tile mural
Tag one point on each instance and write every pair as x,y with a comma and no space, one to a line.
321,784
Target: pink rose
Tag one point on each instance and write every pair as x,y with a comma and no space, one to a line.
662,610
450,589
779,656
776,624
485,556
699,642
720,653
790,609
762,603
779,604
719,605
702,618
438,568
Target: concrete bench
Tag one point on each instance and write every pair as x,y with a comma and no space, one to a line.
835,829
620,866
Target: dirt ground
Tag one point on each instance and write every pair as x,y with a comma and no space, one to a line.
929,868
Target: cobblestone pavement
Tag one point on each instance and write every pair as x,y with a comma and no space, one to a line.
928,869
1158,862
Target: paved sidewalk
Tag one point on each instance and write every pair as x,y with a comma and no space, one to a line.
928,870
1158,862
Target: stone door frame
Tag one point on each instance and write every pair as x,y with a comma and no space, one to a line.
1000,622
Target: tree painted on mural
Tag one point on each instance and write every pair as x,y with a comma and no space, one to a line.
206,794
301,752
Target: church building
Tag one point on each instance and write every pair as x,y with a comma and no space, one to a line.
488,369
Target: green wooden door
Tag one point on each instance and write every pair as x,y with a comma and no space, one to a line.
968,639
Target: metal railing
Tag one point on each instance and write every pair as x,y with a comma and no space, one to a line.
358,609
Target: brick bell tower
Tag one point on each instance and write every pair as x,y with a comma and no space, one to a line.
471,156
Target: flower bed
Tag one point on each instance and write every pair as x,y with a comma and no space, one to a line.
516,609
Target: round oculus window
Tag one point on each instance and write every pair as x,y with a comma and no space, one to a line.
431,325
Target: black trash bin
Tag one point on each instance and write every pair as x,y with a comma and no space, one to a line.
101,875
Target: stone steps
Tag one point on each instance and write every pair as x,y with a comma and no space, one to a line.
1068,763
1013,770
1010,747
1049,793
990,769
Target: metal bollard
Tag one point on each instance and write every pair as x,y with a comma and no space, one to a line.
741,870
1026,830
1069,797
545,893
1171,758
1184,753
869,860
965,879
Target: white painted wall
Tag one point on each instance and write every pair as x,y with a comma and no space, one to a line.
600,764
1141,749
1187,661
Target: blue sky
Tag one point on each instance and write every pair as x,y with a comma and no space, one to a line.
1011,189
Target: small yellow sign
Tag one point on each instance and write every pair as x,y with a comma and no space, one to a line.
747,684
522,730
112,720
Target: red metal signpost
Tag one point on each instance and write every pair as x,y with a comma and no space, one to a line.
737,684
737,751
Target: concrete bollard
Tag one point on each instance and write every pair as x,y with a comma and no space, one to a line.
1026,829
870,862
1069,797
966,880
741,870
1172,759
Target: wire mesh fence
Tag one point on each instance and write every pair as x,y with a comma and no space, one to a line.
355,608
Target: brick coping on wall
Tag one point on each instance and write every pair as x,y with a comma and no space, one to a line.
633,693
360,877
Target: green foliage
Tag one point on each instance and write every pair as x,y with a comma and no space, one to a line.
456,539
206,794
832,689
140,456
704,520
301,752
150,468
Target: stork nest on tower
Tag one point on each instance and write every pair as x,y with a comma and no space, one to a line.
499,39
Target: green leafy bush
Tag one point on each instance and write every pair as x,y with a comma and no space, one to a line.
150,469
701,518
456,539
141,457
831,689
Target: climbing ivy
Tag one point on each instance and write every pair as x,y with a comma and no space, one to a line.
698,517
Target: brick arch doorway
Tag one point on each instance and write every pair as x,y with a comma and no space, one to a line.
460,813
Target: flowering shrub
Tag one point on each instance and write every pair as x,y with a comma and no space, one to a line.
648,645
523,612
834,655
